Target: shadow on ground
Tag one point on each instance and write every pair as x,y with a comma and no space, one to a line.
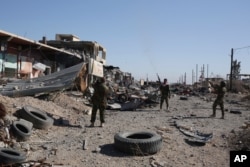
110,150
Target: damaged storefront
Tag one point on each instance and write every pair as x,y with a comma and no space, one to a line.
23,58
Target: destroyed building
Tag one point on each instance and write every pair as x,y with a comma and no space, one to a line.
22,58
30,68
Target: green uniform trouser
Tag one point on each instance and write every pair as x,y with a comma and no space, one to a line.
221,104
164,98
101,108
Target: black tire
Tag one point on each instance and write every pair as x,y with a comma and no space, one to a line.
20,131
138,143
10,156
39,118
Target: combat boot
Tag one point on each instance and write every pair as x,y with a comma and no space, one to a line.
92,124
222,116
213,115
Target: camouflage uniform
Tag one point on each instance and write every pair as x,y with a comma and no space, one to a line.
99,100
165,95
221,91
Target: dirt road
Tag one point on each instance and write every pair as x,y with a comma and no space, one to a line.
62,144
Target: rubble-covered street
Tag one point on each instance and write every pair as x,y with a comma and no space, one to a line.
70,142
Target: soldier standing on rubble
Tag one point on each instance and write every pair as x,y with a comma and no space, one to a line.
99,101
220,91
165,94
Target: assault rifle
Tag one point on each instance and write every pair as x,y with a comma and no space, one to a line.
159,79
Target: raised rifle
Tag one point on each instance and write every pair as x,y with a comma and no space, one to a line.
159,79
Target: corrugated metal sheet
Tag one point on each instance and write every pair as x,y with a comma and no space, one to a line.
53,82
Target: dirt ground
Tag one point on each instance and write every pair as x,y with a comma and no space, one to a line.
62,144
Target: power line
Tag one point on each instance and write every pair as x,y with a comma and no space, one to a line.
242,48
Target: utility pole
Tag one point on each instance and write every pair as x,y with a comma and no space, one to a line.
207,70
231,70
196,73
185,78
192,77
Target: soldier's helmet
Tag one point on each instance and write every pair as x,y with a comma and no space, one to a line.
222,83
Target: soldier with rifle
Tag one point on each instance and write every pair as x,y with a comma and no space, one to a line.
220,91
165,93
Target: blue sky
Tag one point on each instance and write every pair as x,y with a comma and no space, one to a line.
144,37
